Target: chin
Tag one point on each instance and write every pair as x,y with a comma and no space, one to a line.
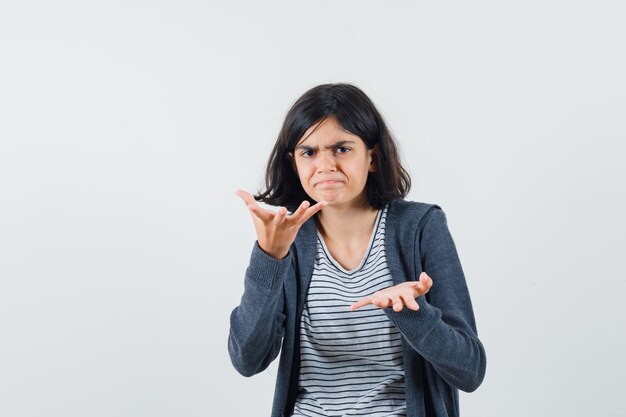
330,198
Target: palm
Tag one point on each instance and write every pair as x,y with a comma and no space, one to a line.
276,230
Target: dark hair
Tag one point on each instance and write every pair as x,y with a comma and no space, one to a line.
356,113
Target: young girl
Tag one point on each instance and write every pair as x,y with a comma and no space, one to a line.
361,291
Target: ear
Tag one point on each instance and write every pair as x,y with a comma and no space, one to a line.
373,167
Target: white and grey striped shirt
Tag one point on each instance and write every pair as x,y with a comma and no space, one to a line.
350,361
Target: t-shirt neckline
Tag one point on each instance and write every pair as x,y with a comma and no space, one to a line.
366,255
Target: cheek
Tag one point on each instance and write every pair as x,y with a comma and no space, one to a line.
360,170
302,172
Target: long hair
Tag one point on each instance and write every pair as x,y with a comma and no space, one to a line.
356,113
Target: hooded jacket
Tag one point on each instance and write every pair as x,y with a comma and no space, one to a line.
441,350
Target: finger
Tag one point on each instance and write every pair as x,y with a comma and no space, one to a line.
361,303
417,288
253,206
300,210
311,211
280,216
246,197
263,214
398,305
381,301
410,302
425,283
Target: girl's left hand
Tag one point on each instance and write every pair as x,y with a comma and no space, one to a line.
398,296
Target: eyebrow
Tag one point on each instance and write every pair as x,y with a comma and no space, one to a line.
315,148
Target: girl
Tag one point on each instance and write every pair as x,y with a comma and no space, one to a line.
361,291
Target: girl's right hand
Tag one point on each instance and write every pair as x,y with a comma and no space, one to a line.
275,230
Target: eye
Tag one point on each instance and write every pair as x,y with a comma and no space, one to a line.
343,149
306,154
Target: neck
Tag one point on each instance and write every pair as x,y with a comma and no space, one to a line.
346,224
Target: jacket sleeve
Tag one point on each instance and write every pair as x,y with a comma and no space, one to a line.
443,330
257,323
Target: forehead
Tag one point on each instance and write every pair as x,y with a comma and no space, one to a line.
326,132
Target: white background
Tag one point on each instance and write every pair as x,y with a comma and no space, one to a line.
126,126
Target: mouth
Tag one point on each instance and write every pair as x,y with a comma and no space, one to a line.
328,182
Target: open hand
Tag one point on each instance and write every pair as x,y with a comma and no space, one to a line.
275,230
398,296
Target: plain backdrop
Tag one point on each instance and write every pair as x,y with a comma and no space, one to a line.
126,127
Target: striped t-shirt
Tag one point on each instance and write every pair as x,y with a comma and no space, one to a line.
350,361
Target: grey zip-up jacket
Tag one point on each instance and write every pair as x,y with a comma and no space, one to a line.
441,349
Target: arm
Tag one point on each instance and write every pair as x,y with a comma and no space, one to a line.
443,330
257,323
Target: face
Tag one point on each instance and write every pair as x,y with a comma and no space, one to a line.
333,164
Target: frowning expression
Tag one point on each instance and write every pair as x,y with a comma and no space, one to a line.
333,164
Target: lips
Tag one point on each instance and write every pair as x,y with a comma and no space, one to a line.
327,182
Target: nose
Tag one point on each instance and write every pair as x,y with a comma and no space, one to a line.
325,161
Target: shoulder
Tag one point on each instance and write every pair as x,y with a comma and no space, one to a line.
405,212
406,219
